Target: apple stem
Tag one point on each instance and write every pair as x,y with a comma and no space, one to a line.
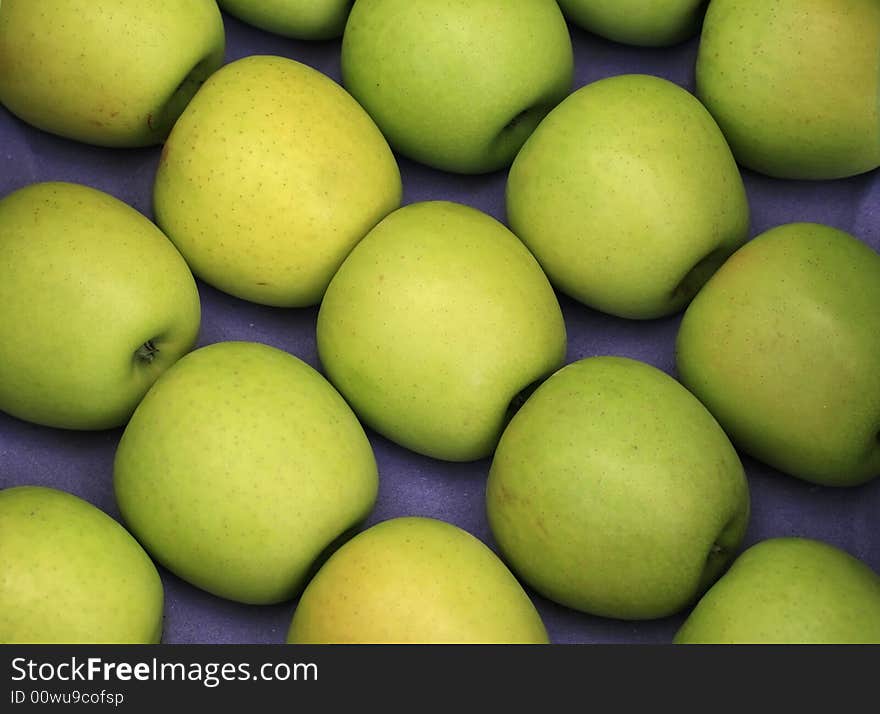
147,352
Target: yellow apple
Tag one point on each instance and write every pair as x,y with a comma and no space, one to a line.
240,468
70,574
433,326
95,303
106,72
628,195
794,84
270,177
418,581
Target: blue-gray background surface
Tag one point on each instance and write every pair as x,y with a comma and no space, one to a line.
81,463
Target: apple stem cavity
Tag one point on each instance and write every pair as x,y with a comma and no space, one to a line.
147,352
716,560
520,398
524,123
698,275
329,550
162,123
514,133
516,120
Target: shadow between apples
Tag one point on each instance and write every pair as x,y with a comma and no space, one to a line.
592,333
597,58
783,505
228,318
563,624
774,202
484,192
125,173
324,54
197,617
79,462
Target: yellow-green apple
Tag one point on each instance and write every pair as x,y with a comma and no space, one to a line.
302,19
613,491
636,22
794,84
95,303
628,196
413,580
434,324
457,84
240,467
70,574
270,177
781,345
106,72
789,591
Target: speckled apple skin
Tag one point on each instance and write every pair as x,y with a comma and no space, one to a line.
415,581
302,19
636,22
789,591
614,492
270,177
782,346
457,84
70,574
85,281
795,84
104,71
628,196
432,326
240,467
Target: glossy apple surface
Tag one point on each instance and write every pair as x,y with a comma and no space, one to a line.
781,345
302,19
457,84
628,196
95,303
106,72
789,591
270,177
434,324
794,84
417,581
240,467
613,491
636,22
70,574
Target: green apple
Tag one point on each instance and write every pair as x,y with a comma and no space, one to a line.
106,72
614,492
457,84
240,467
302,19
794,84
95,303
636,22
434,324
70,574
270,177
415,580
628,196
789,591
782,346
